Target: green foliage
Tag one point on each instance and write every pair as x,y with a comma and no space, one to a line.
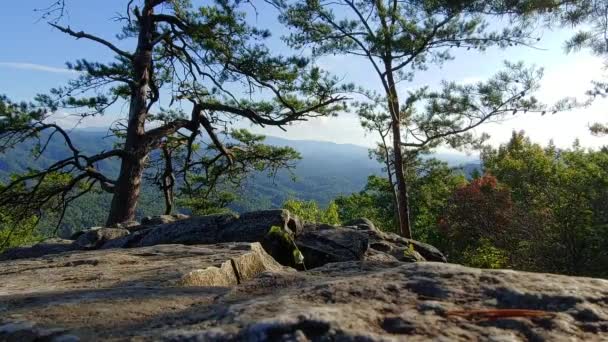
237,78
534,208
14,233
375,202
559,211
309,211
279,232
591,17
399,39
211,187
485,255
431,184
298,257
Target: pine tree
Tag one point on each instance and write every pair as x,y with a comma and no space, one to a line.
402,38
206,59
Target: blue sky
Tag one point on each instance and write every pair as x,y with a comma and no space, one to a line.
33,58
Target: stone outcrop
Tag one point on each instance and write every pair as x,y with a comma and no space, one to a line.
155,266
95,238
162,219
394,244
49,246
326,245
173,229
226,278
319,244
186,293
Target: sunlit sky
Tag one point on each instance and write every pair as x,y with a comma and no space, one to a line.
33,56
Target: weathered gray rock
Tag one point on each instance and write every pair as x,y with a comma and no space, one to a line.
313,227
323,246
128,241
95,238
428,252
162,219
126,224
77,234
236,292
398,246
156,266
195,230
416,301
254,226
361,224
49,246
249,227
319,243
26,332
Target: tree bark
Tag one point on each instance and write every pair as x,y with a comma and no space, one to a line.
168,181
128,185
126,194
391,182
403,207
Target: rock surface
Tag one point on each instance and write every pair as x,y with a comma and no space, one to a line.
319,243
147,294
222,278
49,246
162,219
95,238
159,266
323,246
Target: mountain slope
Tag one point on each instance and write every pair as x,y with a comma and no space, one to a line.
326,170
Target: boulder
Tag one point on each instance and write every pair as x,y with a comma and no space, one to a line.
77,234
399,247
254,226
162,219
128,241
313,227
361,224
155,266
323,246
95,238
126,224
319,243
394,244
49,246
235,292
195,230
249,227
428,252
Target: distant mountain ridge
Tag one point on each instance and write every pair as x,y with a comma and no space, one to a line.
326,170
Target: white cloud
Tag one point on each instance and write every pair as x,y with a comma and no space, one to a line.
344,129
70,121
36,67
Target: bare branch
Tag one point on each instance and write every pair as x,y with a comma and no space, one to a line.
82,34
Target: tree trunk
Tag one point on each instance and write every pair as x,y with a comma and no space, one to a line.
168,181
391,182
126,194
402,191
403,207
128,185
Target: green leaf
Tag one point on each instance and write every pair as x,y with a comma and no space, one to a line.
298,257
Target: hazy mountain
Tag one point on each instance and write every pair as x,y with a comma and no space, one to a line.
326,170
